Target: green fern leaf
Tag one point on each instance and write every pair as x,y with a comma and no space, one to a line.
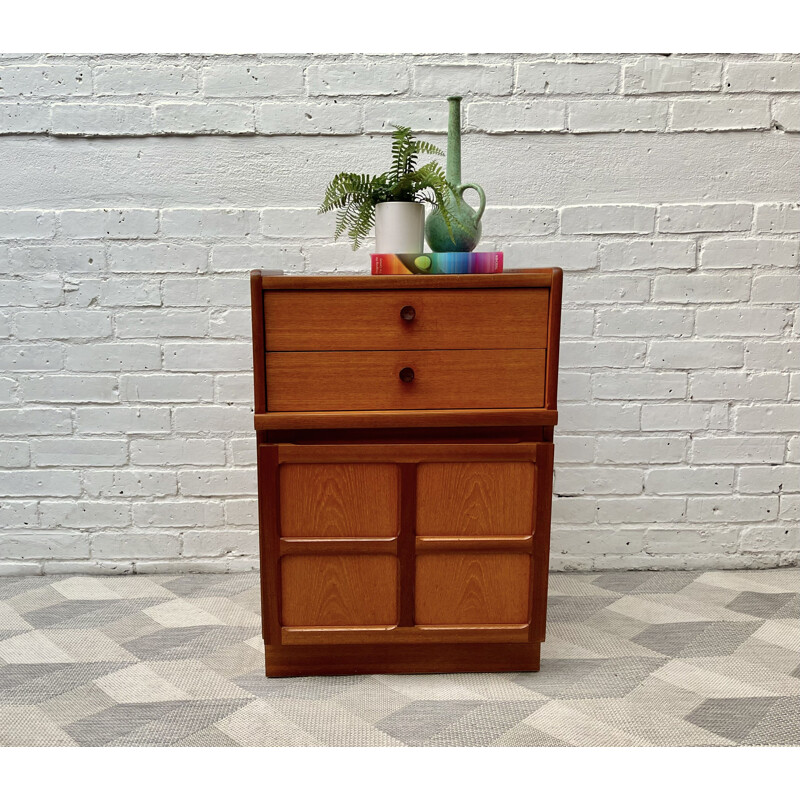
353,196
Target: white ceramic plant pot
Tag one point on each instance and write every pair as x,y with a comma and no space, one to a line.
399,227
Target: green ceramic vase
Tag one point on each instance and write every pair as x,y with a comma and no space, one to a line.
467,230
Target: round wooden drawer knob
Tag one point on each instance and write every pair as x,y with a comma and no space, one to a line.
408,313
406,374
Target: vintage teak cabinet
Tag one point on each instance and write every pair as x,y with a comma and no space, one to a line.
405,460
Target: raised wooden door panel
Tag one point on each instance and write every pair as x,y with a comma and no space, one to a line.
479,537
472,588
402,380
339,500
404,542
425,319
473,498
339,590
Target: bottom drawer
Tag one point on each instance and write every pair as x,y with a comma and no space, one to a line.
397,380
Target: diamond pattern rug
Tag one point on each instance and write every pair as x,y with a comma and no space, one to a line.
631,659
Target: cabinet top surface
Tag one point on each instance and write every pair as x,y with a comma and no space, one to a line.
509,279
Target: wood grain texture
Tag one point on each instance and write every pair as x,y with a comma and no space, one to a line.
339,590
439,435
397,635
363,380
360,659
257,319
528,278
405,453
475,499
337,546
406,544
484,544
553,339
538,601
268,540
472,588
454,418
339,500
370,320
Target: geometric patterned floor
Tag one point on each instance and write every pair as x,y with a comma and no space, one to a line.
631,659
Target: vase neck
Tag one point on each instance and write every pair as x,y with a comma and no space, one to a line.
454,142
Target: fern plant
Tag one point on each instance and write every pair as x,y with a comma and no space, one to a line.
354,196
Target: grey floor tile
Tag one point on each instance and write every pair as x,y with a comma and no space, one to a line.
720,639
14,675
653,725
4,634
236,660
526,736
420,720
791,609
195,641
485,724
758,604
32,599
666,697
372,700
558,675
249,599
61,612
14,587
731,717
665,582
15,688
670,638
575,609
76,704
779,727
771,656
320,688
618,624
209,737
330,724
127,629
29,726
176,723
615,677
622,582
86,613
205,585
99,729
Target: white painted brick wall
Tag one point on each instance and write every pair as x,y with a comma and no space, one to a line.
786,114
721,114
144,188
522,116
612,115
202,117
652,75
243,79
559,77
84,119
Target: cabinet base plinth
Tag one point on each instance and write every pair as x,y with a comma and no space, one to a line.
283,661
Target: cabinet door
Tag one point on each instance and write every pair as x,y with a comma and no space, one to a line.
404,542
480,525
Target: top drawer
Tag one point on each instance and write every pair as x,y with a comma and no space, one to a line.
422,319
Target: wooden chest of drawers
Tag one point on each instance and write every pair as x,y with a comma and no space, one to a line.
405,458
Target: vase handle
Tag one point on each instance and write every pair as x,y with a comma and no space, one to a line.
482,197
